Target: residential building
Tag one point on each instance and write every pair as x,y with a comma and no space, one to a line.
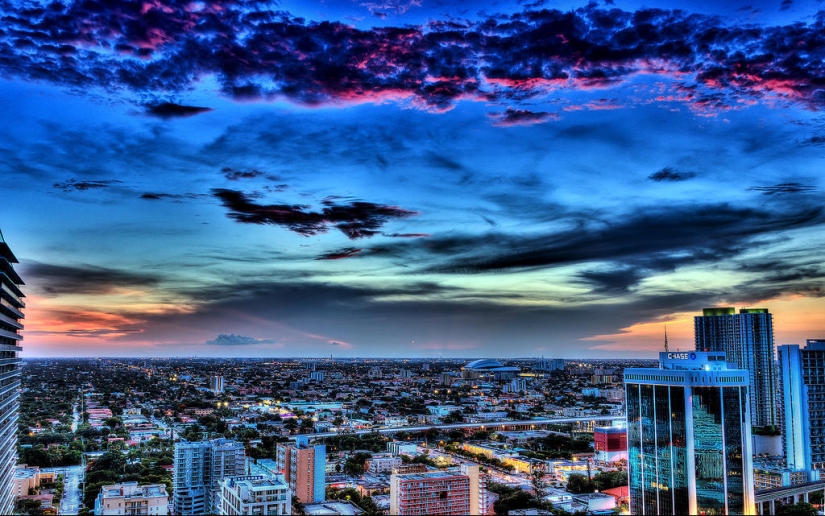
216,384
304,469
377,465
747,339
131,499
689,436
439,492
24,479
802,382
254,494
11,306
199,467
610,443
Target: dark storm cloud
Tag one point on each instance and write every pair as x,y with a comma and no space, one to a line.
670,175
652,239
340,254
236,175
512,117
151,196
355,219
83,279
166,47
74,184
231,339
172,110
783,188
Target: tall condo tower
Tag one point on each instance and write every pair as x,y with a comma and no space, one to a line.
11,304
304,469
747,339
802,378
689,436
199,469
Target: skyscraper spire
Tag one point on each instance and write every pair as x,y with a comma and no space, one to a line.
666,346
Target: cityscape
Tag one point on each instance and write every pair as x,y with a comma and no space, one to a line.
412,257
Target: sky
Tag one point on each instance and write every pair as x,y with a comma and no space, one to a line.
408,178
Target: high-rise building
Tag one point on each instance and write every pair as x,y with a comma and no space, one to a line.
747,338
689,436
254,494
216,384
304,469
11,304
802,381
439,492
199,467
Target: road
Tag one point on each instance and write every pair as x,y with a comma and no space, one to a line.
72,475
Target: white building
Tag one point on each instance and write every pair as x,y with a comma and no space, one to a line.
254,494
377,465
132,499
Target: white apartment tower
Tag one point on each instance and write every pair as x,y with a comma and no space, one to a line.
199,468
11,304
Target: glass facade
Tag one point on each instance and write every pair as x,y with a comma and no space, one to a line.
688,443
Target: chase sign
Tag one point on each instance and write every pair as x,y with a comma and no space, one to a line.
681,356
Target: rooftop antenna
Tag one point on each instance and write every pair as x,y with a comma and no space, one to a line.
666,346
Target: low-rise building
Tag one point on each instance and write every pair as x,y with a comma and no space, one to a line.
254,494
377,465
129,498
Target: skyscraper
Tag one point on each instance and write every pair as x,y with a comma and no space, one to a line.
747,338
199,468
11,304
802,381
304,469
689,436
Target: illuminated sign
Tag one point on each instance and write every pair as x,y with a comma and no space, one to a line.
681,356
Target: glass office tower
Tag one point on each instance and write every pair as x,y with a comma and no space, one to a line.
689,436
747,338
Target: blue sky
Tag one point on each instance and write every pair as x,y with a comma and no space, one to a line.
409,178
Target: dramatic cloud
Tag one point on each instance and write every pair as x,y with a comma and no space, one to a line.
783,188
149,196
339,254
172,110
236,175
513,117
74,184
84,279
670,175
237,340
652,239
355,219
167,47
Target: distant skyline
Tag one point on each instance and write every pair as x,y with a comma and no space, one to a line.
410,178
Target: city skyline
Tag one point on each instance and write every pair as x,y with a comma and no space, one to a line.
409,178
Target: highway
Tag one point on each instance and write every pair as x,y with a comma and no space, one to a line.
458,426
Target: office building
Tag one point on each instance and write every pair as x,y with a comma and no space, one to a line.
439,492
254,494
304,469
131,499
11,306
199,468
747,339
802,381
216,385
689,436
